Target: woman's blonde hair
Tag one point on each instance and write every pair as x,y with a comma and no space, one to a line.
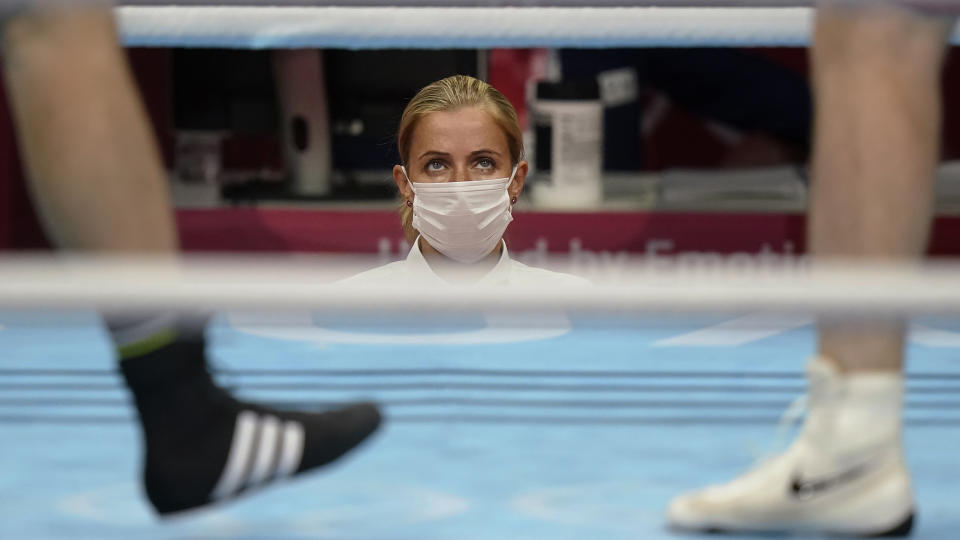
450,94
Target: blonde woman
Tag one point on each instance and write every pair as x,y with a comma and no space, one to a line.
462,171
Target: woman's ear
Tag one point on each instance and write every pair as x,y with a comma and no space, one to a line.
403,186
519,179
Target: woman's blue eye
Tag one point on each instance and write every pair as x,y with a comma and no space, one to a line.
485,163
435,165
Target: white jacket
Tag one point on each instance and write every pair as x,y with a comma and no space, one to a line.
415,270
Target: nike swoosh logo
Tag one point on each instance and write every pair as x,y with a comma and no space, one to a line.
802,488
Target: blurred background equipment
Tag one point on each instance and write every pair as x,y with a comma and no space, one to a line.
705,123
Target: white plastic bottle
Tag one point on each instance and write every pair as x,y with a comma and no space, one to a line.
568,117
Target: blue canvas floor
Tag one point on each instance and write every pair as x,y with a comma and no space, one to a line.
495,428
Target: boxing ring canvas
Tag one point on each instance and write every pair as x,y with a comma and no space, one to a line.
495,427
576,428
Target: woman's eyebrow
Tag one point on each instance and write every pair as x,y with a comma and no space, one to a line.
433,153
485,151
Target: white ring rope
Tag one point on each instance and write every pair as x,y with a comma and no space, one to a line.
931,5
639,287
411,27
262,27
407,27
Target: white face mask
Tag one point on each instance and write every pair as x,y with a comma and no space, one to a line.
462,220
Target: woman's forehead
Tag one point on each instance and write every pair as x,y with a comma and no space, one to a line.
463,130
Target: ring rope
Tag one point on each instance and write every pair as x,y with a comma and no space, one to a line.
264,27
637,286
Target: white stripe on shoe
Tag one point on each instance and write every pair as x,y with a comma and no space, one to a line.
291,450
234,473
260,452
266,449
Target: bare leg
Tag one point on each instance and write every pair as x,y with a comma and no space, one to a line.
98,179
876,75
95,172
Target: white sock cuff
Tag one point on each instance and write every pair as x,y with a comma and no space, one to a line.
876,388
130,330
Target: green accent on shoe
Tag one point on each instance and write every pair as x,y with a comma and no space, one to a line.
148,345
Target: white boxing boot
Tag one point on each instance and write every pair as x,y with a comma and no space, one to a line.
844,474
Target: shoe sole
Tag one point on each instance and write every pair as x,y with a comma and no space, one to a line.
901,530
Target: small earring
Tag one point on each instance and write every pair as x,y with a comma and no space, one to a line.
410,204
513,200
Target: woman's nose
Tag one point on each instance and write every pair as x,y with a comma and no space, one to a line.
461,174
